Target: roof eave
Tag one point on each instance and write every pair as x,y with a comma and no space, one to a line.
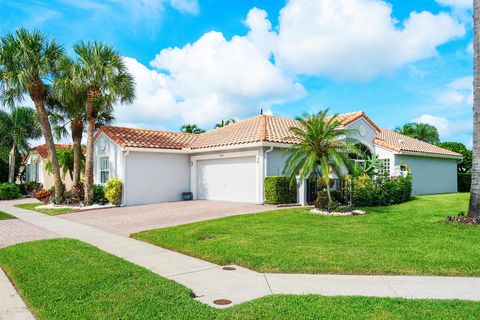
431,155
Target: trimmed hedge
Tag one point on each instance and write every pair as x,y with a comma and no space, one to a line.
464,180
381,190
279,191
9,191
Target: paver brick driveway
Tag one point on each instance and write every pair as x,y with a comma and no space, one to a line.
128,220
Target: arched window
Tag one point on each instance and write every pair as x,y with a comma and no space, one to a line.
365,154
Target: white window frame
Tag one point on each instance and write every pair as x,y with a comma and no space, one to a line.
102,170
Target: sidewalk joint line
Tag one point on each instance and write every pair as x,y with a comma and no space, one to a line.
268,283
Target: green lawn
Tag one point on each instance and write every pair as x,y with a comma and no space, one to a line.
5,216
51,212
410,238
67,279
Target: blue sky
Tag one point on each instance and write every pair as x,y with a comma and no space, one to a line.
201,61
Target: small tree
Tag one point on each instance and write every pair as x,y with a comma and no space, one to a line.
322,143
17,128
421,131
224,123
191,128
66,160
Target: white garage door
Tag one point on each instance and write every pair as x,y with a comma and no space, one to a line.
233,179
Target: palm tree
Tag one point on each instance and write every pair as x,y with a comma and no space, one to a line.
421,131
321,143
224,123
18,127
27,59
66,160
67,106
474,207
191,128
104,73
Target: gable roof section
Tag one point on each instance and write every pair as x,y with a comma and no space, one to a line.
43,151
143,138
398,142
348,118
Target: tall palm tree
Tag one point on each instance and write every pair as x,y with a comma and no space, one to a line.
474,207
67,106
66,160
104,73
18,127
191,128
421,131
321,144
224,123
27,60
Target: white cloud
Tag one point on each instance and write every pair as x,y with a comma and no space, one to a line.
188,6
357,39
211,79
446,127
456,4
470,48
459,92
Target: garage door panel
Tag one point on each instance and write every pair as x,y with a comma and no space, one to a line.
232,179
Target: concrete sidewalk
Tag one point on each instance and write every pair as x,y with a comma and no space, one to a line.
211,282
12,306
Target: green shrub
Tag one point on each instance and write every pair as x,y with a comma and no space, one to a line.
279,191
381,190
99,194
464,180
113,191
9,191
30,187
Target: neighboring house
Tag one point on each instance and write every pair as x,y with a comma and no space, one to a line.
35,167
230,163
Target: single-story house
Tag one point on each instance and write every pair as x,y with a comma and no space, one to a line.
230,163
35,169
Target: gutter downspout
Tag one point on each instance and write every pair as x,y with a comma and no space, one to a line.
265,162
124,168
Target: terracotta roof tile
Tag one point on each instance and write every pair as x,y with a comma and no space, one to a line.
252,130
43,151
398,142
143,138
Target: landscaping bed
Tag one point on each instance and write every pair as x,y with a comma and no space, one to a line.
67,279
406,239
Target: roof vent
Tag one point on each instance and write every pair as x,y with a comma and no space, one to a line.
401,141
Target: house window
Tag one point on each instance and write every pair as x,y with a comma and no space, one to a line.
104,169
385,167
28,172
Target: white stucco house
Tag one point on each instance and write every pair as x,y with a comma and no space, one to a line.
35,169
230,163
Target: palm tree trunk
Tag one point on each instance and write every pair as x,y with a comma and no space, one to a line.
76,126
37,90
91,121
11,163
474,207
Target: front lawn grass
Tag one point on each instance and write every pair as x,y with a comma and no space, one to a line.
5,216
410,238
68,279
50,212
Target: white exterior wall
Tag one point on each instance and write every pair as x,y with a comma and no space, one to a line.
276,160
153,177
430,175
369,133
104,147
